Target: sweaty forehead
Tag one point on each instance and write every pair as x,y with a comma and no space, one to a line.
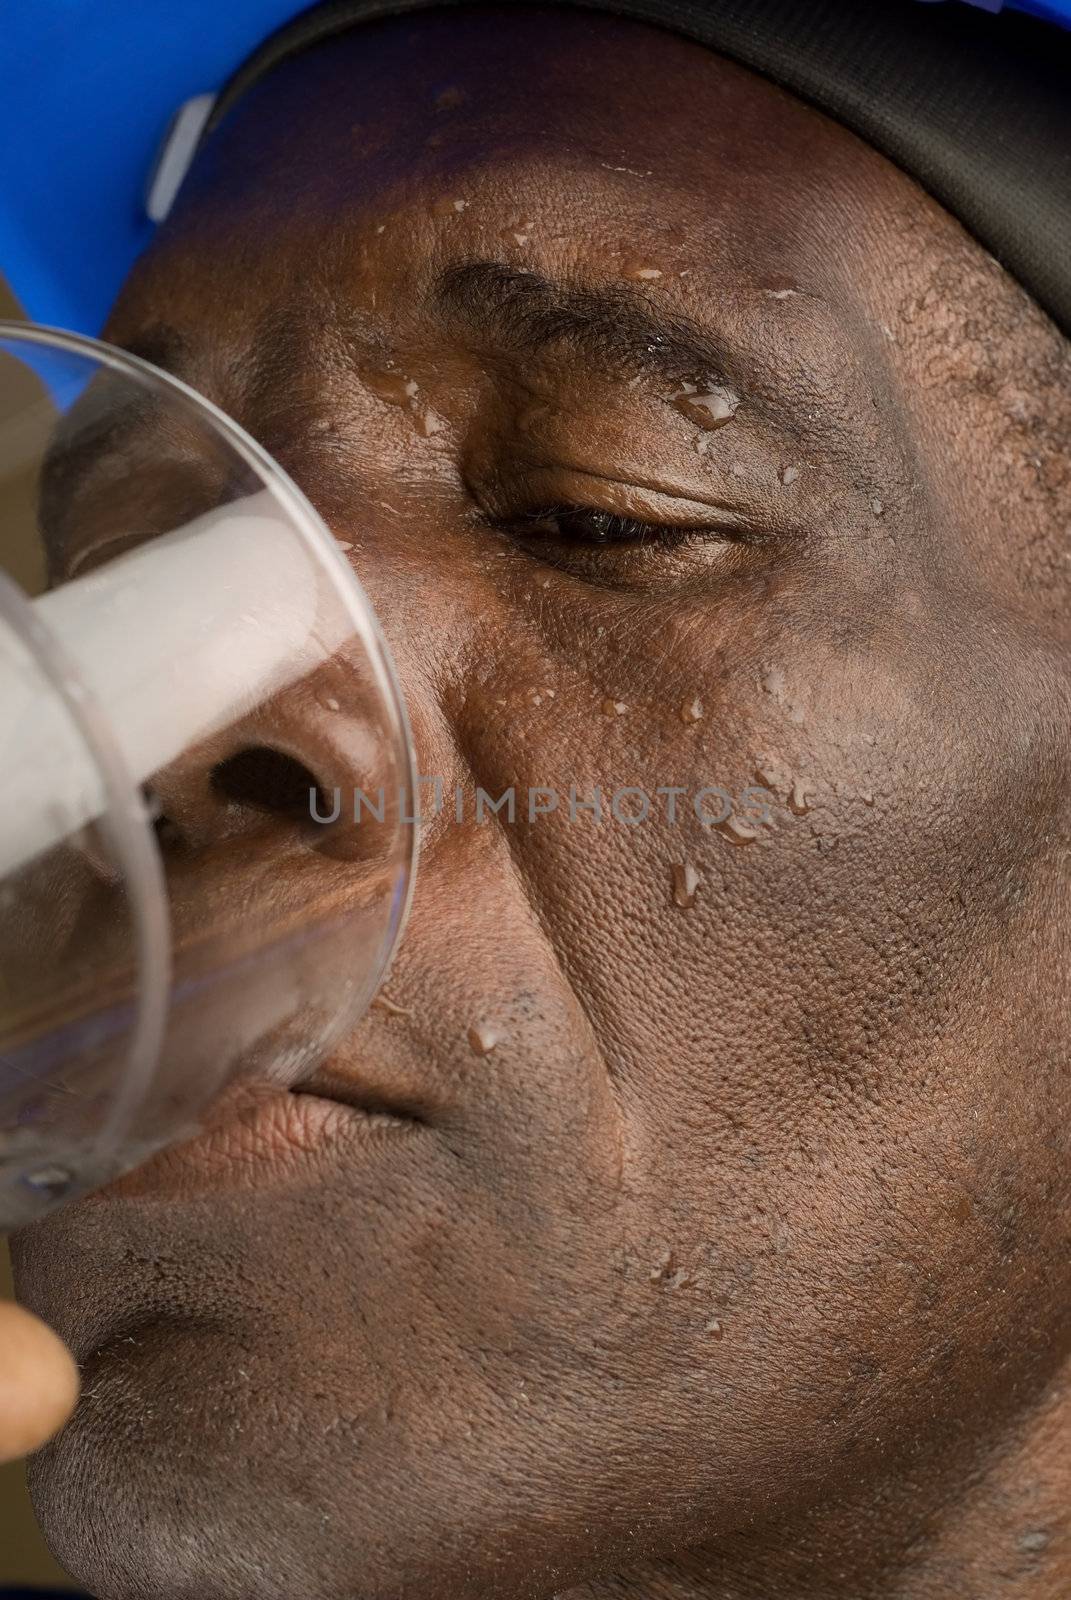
595,135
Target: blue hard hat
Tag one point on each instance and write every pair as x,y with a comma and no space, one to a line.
88,90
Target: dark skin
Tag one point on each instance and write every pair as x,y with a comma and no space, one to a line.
740,1265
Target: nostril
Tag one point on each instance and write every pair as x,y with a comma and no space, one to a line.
169,835
264,779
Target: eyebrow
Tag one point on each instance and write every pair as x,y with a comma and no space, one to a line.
612,325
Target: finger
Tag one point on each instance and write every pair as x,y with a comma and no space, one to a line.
38,1382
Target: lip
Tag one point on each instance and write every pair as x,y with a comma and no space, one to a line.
260,1137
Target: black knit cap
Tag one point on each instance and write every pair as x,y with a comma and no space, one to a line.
975,106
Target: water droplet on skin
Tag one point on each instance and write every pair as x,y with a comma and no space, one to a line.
398,390
332,704
773,683
789,475
714,1328
685,885
392,1010
393,387
736,831
878,507
640,274
772,774
867,797
799,800
428,422
382,228
710,408
52,1183
692,711
1035,1541
887,331
613,708
482,1038
449,207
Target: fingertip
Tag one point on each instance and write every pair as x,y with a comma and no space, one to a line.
38,1382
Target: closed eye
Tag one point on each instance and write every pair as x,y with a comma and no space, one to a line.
588,526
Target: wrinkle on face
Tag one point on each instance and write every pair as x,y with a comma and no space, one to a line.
636,1301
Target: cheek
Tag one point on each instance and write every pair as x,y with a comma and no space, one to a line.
774,995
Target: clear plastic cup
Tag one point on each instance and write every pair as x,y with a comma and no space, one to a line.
206,855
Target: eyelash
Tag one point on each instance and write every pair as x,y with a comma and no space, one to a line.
594,529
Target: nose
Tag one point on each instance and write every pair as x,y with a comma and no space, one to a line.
287,863
311,771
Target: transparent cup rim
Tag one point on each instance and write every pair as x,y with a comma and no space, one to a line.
317,536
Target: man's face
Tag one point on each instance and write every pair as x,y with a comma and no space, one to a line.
731,1154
